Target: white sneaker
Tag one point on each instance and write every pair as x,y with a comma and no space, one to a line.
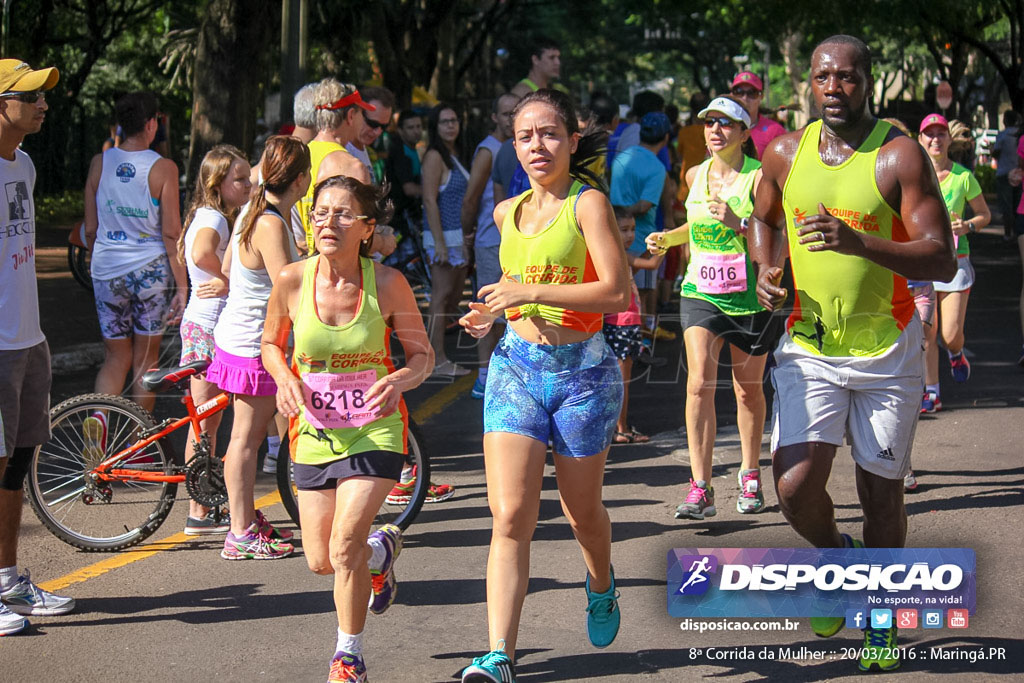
26,598
10,622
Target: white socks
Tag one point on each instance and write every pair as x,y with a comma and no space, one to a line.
352,644
380,553
8,577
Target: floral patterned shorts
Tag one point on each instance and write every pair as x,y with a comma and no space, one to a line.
196,342
136,302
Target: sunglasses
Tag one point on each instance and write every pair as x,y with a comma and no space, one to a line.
375,125
710,121
30,97
745,92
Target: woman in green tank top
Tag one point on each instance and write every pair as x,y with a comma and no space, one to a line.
343,397
959,189
719,305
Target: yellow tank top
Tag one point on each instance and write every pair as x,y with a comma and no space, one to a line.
318,151
557,255
845,305
337,364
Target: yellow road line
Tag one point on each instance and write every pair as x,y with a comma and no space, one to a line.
442,399
135,554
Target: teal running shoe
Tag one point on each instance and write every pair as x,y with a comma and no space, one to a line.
493,667
602,614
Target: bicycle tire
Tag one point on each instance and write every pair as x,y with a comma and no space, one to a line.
78,264
399,515
57,488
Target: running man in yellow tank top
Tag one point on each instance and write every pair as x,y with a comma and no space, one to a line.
862,212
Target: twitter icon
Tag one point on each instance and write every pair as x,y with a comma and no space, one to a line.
881,618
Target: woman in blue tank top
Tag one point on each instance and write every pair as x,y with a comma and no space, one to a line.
444,185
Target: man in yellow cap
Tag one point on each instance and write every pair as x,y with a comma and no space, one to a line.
24,354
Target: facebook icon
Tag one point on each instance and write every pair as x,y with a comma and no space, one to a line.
855,618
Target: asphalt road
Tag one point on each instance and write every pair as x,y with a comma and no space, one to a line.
182,613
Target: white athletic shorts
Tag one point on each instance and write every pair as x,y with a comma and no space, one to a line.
874,402
962,281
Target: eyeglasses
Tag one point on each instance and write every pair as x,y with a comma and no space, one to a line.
30,97
746,92
343,219
710,121
447,122
375,125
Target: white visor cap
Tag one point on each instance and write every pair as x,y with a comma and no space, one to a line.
728,107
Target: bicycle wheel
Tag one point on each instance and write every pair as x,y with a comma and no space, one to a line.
78,264
97,515
401,515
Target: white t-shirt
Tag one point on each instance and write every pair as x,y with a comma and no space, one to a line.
204,312
130,233
19,297
360,154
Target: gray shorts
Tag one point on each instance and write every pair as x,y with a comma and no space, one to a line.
25,396
874,402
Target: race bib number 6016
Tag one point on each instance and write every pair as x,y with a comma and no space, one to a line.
337,399
720,273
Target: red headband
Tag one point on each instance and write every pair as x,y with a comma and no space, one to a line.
347,101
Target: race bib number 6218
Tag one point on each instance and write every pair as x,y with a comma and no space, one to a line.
335,400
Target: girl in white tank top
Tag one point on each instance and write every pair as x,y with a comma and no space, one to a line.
261,246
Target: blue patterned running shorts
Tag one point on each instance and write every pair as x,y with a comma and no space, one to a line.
570,394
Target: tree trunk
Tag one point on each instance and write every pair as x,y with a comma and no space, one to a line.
230,64
791,44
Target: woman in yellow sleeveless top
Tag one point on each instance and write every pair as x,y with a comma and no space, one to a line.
343,396
719,305
552,375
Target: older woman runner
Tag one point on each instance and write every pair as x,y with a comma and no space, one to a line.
552,375
719,305
344,398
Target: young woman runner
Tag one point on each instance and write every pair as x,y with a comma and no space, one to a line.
552,375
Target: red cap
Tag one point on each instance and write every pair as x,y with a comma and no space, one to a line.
934,120
748,78
347,101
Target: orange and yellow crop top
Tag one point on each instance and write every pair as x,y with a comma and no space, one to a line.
557,255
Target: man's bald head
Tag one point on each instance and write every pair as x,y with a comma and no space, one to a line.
860,49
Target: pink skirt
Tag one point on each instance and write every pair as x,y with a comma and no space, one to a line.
240,375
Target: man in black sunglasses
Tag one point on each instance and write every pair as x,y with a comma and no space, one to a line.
373,124
24,354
